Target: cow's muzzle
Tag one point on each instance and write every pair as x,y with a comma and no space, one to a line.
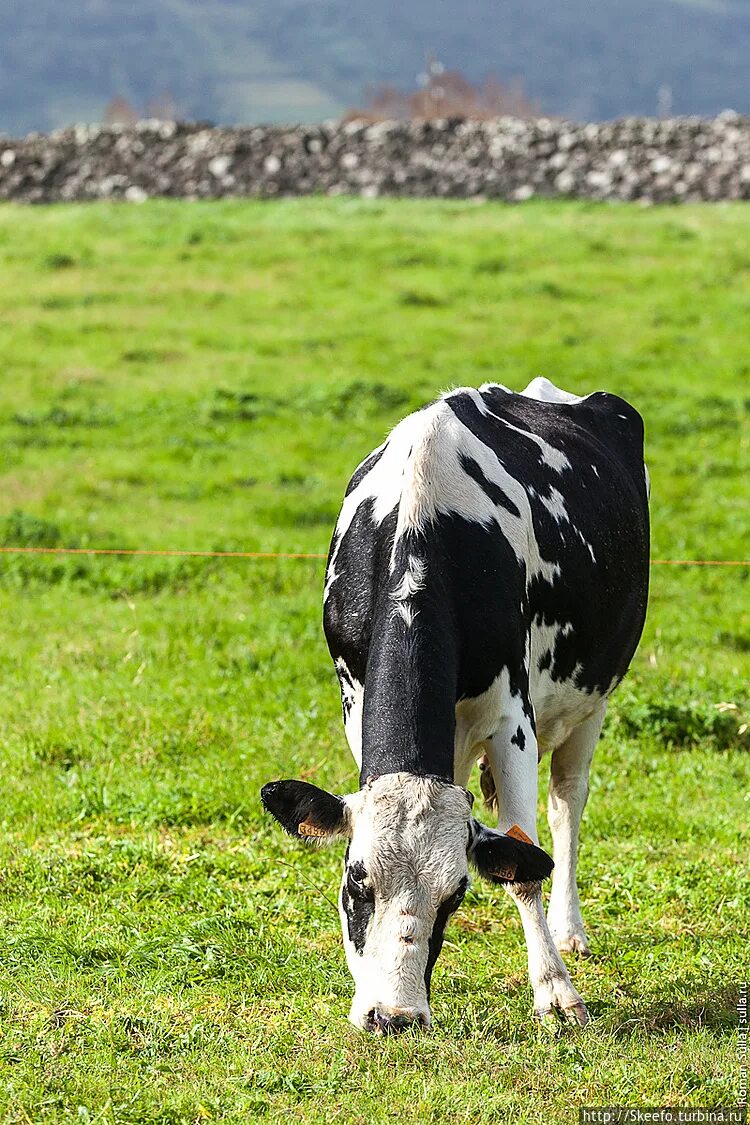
381,1021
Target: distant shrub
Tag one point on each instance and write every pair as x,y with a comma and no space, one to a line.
492,266
240,406
20,529
64,418
421,300
739,642
59,261
679,724
356,399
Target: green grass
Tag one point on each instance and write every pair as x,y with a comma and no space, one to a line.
207,376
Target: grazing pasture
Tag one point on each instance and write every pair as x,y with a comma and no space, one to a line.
206,376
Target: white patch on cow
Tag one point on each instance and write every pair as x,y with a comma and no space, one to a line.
551,456
559,705
384,484
545,391
479,720
410,834
585,542
352,697
331,576
555,505
596,471
648,481
407,613
412,582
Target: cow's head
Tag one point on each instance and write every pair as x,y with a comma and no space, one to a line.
406,871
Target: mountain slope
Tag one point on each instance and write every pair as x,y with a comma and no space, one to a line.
236,60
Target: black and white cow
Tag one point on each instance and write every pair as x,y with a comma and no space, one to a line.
486,590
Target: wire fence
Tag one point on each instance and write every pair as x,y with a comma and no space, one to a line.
169,553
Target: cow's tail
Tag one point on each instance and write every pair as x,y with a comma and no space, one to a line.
487,782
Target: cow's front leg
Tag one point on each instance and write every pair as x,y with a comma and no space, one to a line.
514,765
554,995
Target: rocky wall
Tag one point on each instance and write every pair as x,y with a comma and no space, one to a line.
506,158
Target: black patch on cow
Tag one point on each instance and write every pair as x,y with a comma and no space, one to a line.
358,903
528,707
545,660
435,943
504,859
496,495
519,739
297,802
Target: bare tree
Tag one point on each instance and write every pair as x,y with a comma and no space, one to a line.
120,112
446,93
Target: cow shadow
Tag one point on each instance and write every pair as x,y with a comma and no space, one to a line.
624,1016
711,1008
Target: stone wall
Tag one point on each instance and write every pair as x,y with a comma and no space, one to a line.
507,158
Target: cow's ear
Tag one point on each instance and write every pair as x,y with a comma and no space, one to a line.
307,812
507,857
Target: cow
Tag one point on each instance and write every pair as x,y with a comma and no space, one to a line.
485,592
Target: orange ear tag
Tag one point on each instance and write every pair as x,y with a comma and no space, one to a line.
307,829
508,873
518,834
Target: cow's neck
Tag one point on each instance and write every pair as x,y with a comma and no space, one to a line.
408,722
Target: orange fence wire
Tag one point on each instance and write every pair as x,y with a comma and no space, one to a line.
144,551
277,555
700,562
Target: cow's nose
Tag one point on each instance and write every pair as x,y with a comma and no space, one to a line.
387,1023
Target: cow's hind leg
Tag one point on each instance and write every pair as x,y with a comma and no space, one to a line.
514,765
568,790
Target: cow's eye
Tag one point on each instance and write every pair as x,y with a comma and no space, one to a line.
451,904
356,886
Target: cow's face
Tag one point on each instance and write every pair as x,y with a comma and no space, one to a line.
405,873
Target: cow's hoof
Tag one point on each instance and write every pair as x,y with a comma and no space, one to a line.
557,1005
577,1015
574,943
553,1020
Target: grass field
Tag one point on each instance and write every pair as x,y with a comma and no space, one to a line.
206,376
